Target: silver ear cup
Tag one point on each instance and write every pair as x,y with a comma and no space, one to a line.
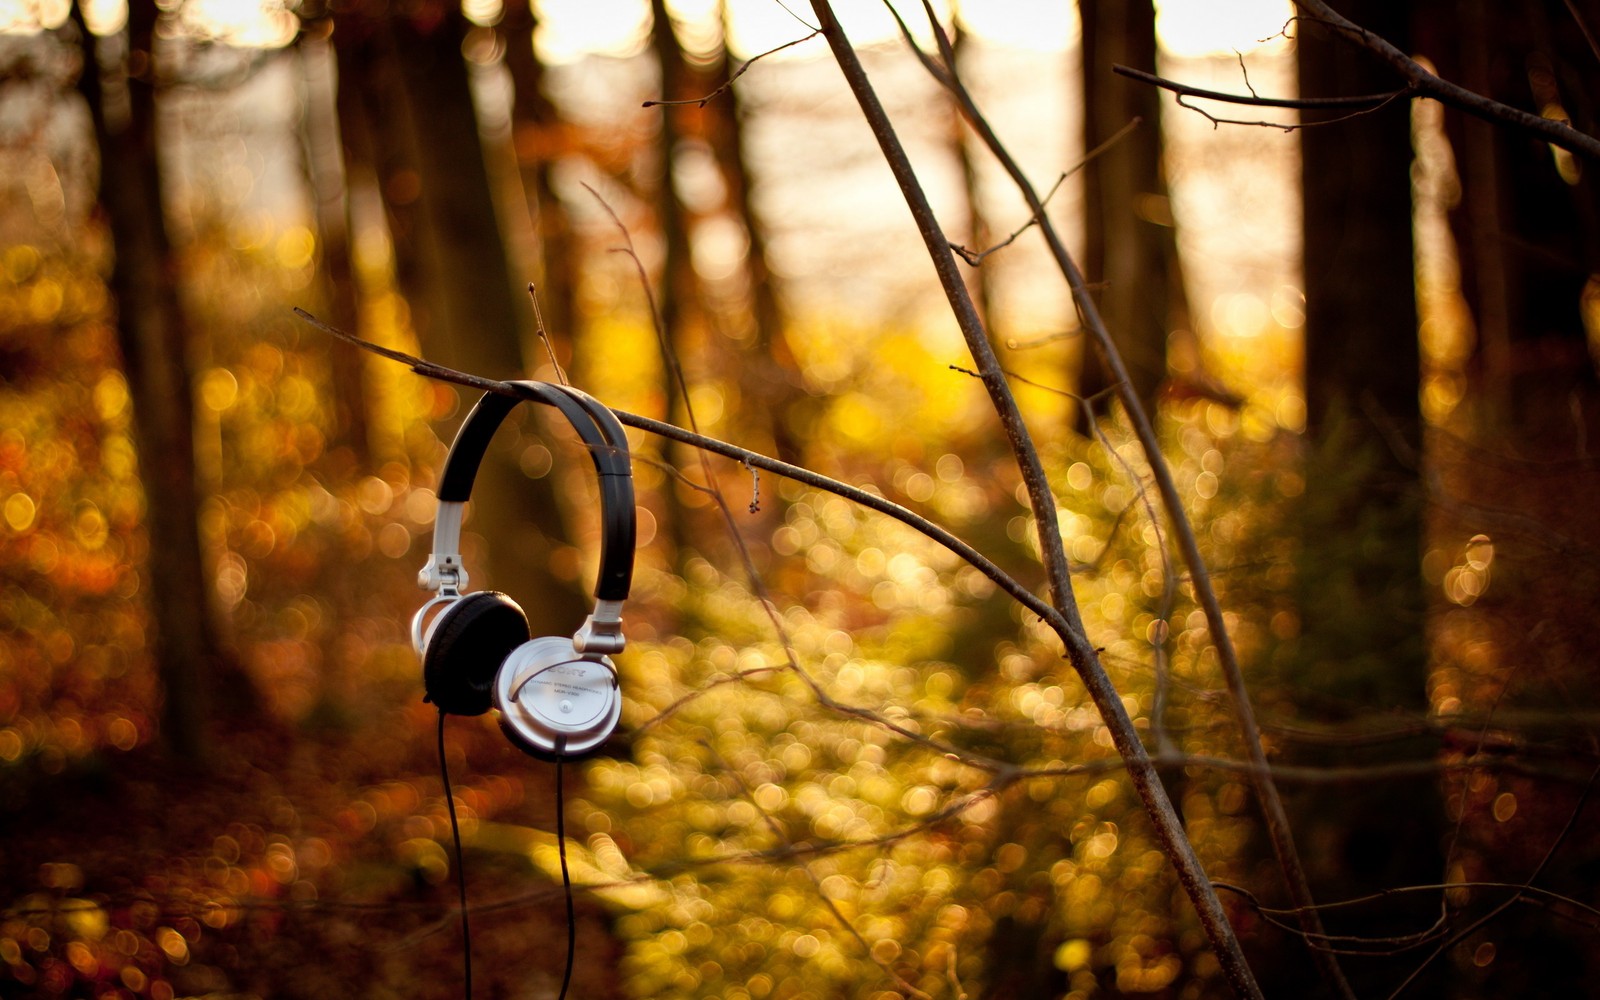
553,701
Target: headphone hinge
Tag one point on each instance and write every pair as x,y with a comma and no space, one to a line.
445,574
602,632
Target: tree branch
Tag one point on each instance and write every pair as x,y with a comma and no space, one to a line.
1527,886
1364,102
1085,660
1276,819
744,68
751,459
976,257
1427,84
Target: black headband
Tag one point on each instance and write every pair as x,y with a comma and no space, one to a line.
601,433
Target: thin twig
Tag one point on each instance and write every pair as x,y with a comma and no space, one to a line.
1277,820
544,335
976,257
864,498
1017,344
705,688
752,575
1538,870
755,488
1168,828
1364,102
1218,120
1461,814
1362,105
945,73
792,658
1583,26
743,68
1343,944
1385,894
1169,585
1557,133
1244,71
782,834
953,976
824,698
668,354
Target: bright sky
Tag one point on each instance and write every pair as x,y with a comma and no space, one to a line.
1187,27
572,28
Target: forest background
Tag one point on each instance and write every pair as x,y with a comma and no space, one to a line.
855,760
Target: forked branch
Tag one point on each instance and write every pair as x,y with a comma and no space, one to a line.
1351,106
749,459
1168,828
1420,82
1428,84
1364,102
1277,821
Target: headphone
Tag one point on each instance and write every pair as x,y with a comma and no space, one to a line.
556,697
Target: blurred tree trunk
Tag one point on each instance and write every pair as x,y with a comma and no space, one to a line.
380,182
1129,242
1360,588
1527,224
1361,358
979,279
416,94
1519,447
379,142
481,311
154,337
325,174
676,292
773,384
538,136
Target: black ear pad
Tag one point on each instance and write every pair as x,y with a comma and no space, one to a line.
466,646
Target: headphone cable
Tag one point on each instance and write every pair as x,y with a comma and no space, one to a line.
566,881
461,870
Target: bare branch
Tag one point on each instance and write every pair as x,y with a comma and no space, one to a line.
1522,890
1244,71
1168,828
1583,26
1216,120
669,356
975,257
1384,894
755,488
1427,84
743,68
1364,102
744,456
544,335
1017,344
1277,820
1343,944
782,834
